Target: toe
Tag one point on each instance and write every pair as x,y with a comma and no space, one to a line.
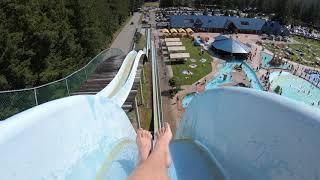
166,125
163,130
145,133
140,132
150,135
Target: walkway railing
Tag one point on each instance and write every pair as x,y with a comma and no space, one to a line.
15,101
156,97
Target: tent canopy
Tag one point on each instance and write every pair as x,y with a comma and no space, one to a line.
181,30
172,39
174,44
176,48
173,30
189,30
179,55
165,30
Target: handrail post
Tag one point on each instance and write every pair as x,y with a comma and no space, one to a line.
35,96
67,87
137,112
85,72
141,93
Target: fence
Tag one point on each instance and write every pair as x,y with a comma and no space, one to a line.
15,101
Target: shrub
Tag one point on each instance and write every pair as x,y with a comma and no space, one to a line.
278,90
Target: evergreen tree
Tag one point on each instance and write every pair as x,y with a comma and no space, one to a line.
44,40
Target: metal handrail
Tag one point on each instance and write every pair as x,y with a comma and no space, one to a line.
157,112
62,79
15,101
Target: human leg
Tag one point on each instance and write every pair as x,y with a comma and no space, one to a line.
157,164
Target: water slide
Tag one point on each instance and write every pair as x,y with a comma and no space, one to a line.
78,137
225,133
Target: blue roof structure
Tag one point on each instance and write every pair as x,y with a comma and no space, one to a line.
274,27
219,22
220,37
230,45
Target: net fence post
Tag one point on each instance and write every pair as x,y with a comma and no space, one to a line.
35,96
85,72
67,87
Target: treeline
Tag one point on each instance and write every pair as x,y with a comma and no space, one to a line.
45,40
305,12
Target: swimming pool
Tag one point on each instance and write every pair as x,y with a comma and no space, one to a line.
226,69
295,88
187,99
255,83
266,58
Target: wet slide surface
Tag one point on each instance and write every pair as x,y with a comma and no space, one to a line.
191,161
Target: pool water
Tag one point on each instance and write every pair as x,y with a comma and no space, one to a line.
266,58
226,69
187,99
295,88
255,83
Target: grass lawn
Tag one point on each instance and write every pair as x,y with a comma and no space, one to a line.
145,109
141,43
307,41
309,48
200,71
151,4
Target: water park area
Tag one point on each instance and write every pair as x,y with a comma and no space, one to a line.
300,50
253,68
182,93
296,88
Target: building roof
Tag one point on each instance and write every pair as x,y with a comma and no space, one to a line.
232,46
219,22
220,37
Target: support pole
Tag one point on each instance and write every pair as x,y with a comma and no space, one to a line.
35,96
67,87
137,112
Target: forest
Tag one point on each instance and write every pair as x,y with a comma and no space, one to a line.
45,40
296,12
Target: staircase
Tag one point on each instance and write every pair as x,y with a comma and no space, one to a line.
103,75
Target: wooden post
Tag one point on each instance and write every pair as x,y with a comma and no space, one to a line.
141,92
137,112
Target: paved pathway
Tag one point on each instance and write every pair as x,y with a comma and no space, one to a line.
125,37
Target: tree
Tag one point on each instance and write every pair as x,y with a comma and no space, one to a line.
43,40
278,90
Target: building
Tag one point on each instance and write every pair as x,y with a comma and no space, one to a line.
229,47
224,24
275,28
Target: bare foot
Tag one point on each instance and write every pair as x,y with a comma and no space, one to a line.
164,136
144,144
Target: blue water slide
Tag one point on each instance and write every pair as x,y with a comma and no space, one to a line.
251,134
78,137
